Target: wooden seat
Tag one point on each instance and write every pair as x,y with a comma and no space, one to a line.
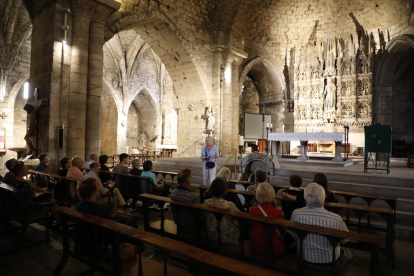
14,205
363,241
359,210
199,259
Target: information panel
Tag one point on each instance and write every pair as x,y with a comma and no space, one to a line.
253,124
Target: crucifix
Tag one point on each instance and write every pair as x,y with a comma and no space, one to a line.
262,142
263,104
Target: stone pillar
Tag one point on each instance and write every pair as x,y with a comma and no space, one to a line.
78,84
61,73
94,92
230,116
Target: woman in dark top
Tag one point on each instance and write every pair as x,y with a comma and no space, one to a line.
321,179
20,170
104,177
64,166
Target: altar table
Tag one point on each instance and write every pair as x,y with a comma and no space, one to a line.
336,137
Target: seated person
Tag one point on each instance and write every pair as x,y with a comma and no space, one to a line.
265,194
64,166
157,187
94,158
261,177
9,176
42,167
75,172
295,181
135,182
105,188
120,180
135,167
320,179
317,250
88,191
184,218
225,173
104,177
33,192
229,227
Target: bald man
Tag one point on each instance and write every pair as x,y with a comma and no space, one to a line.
75,172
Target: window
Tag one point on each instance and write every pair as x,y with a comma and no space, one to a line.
26,90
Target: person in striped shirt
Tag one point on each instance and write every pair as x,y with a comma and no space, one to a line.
317,250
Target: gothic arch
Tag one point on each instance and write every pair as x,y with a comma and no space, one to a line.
389,61
273,70
393,97
165,39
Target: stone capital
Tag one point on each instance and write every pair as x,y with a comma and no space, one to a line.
231,54
96,10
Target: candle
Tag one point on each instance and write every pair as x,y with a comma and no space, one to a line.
241,140
267,125
271,125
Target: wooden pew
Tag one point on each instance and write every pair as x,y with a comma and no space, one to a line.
131,190
370,243
359,210
348,196
14,205
199,259
164,174
64,188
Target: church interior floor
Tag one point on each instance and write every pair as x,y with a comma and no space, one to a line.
43,258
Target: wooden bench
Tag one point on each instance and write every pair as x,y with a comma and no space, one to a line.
348,196
199,259
14,205
65,189
370,243
359,210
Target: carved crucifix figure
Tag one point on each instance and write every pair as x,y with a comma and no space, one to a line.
32,116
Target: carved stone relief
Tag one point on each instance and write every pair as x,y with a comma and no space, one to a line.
332,85
363,87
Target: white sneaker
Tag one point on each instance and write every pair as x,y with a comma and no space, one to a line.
166,205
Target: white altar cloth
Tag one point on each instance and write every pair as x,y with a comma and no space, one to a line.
315,136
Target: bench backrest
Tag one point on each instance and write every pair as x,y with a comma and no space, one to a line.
357,237
189,251
391,201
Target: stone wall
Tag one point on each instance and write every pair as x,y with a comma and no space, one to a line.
248,101
109,123
132,127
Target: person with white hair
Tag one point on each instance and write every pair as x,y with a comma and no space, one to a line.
225,173
94,158
317,250
209,155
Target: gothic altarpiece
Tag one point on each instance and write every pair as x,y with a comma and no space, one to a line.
333,85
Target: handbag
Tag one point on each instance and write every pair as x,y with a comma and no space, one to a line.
210,164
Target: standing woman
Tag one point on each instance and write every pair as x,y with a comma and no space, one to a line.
209,155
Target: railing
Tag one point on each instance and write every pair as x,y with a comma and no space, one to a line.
187,148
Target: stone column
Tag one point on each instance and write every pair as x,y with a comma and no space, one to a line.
94,92
78,84
230,117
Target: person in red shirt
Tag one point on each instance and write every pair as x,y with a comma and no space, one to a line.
265,195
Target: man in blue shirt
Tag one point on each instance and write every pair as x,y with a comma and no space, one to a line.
42,167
